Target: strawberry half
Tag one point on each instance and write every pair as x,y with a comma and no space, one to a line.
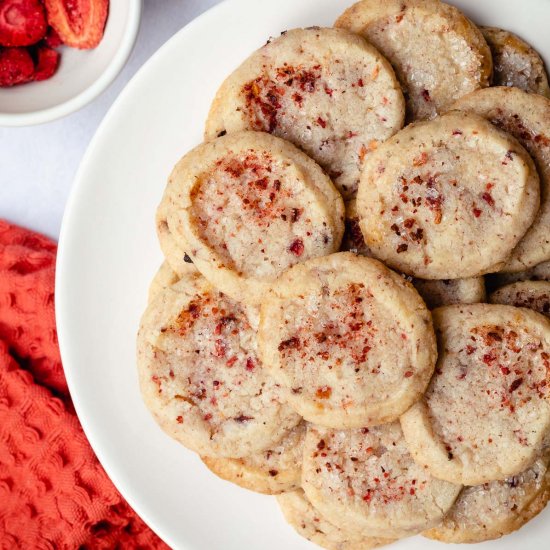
47,61
16,67
79,23
22,22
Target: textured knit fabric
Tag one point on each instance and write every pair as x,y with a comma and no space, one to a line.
27,318
53,492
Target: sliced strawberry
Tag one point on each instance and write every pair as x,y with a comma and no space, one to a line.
47,62
52,39
22,22
79,23
16,66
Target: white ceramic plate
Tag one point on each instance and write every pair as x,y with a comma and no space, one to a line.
108,254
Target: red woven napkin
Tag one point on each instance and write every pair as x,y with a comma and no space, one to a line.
54,493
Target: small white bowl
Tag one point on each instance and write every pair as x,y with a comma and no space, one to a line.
82,74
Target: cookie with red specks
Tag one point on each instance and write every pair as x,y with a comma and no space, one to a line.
486,412
451,291
437,53
540,272
310,524
526,117
515,63
350,340
533,295
434,293
172,248
164,278
429,194
365,481
353,240
201,377
271,471
489,511
247,206
326,90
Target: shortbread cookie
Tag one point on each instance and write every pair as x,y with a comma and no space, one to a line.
248,205
447,199
350,340
353,240
365,481
271,471
200,375
164,278
434,293
489,511
437,53
487,409
174,250
540,272
530,294
325,90
310,524
527,118
515,63
451,291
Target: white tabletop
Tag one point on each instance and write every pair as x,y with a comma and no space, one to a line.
38,163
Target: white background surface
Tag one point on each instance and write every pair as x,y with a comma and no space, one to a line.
38,163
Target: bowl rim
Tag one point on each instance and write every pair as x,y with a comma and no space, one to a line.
96,88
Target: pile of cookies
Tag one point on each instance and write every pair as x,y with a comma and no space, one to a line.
320,328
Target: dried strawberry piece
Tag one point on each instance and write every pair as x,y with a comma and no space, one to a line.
47,63
16,66
79,23
53,40
22,22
